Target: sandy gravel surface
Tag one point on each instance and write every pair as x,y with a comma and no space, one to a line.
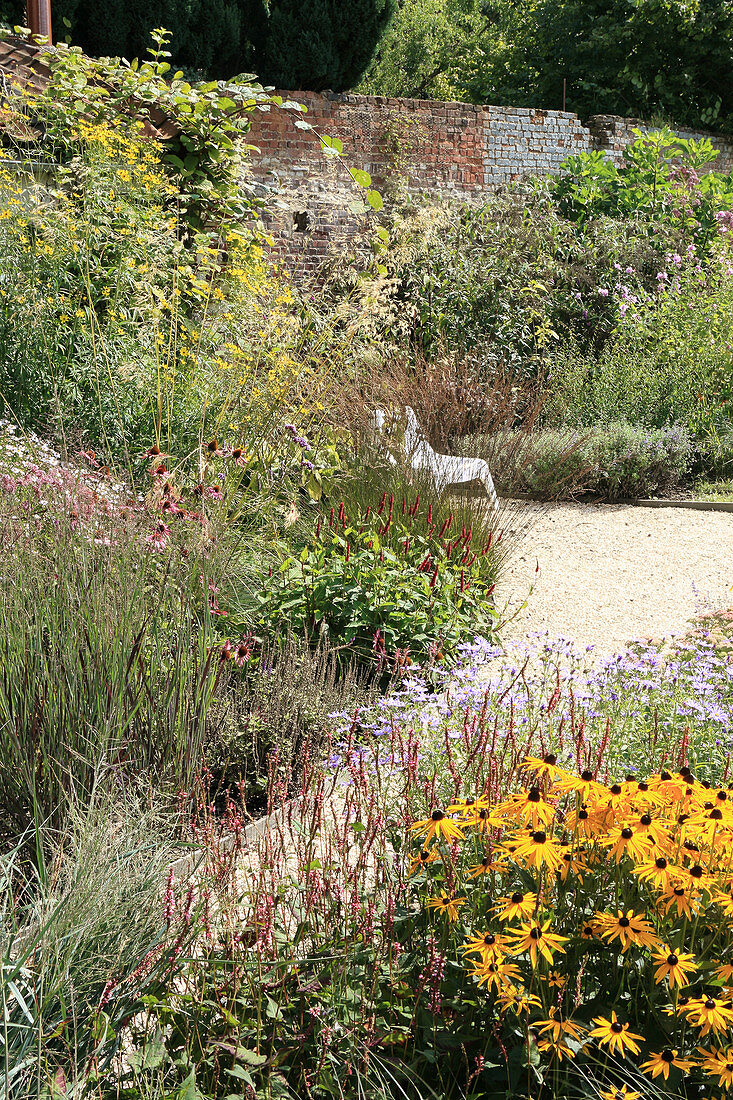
611,573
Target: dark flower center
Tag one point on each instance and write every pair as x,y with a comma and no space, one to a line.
437,815
623,922
615,789
627,834
721,796
517,898
540,837
534,795
483,814
536,934
665,777
682,819
667,1055
549,758
489,939
643,786
707,805
716,814
696,871
672,960
660,863
425,854
587,931
645,819
582,815
617,1027
679,891
586,776
710,1003
706,784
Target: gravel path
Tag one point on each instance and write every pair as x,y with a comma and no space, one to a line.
610,573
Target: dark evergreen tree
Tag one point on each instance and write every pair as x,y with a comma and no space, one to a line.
317,44
218,38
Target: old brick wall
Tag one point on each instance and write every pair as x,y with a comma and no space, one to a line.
422,146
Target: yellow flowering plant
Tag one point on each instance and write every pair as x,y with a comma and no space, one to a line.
622,976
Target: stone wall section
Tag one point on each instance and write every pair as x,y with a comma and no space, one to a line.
423,146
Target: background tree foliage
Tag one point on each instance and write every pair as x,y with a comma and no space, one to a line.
627,57
313,44
642,58
433,49
319,44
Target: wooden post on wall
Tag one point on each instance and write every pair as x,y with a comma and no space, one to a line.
39,18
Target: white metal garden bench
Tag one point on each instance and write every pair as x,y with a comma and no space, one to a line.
448,471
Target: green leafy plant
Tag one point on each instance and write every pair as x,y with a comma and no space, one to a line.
388,583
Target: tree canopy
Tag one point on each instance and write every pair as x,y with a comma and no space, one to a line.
312,44
644,58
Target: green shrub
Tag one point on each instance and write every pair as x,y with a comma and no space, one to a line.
659,182
512,278
391,582
614,461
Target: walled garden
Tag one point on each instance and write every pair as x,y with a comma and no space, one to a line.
486,871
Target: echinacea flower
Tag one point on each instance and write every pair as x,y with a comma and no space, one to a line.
517,907
437,825
615,1035
628,928
661,1063
537,940
446,905
672,965
719,1063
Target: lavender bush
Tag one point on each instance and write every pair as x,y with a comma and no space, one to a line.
613,461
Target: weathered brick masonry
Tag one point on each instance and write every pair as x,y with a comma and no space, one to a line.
432,147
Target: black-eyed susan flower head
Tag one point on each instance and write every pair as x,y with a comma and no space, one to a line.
488,945
538,849
628,928
672,966
446,905
422,858
620,1092
438,825
517,906
719,1063
660,1064
495,974
538,941
615,1036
